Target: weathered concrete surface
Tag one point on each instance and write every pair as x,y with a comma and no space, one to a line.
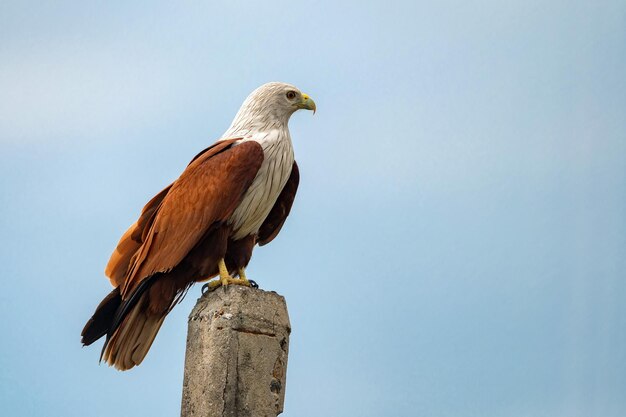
236,360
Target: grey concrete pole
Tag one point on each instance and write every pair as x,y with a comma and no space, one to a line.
236,360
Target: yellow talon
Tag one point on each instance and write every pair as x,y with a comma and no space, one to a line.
242,275
224,275
225,278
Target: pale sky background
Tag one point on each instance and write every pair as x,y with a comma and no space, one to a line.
458,242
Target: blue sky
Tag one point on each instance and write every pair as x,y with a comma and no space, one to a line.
458,242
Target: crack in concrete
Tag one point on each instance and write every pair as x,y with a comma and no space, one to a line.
225,388
249,331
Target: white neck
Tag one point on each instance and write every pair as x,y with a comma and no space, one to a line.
253,118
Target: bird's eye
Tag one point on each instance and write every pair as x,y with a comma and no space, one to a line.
291,95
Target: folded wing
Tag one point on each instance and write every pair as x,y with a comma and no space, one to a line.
275,220
206,194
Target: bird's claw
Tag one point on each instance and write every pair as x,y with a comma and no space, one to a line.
212,285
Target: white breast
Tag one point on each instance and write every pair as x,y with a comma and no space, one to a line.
258,201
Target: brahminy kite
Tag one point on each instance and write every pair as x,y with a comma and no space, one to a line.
232,195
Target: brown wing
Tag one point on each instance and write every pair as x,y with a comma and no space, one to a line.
131,241
207,192
275,220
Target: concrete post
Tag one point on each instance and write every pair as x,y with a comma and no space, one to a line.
236,360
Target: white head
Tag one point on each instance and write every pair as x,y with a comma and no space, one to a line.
269,107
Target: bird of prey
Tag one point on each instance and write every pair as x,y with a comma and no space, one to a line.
233,195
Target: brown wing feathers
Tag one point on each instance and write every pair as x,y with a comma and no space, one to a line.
131,240
208,191
100,323
170,226
275,220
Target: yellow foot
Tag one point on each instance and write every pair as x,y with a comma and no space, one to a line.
225,278
249,283
234,281
212,285
242,275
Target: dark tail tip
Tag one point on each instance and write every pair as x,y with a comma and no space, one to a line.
101,321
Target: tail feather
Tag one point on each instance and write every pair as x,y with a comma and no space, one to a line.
129,344
101,321
153,325
129,325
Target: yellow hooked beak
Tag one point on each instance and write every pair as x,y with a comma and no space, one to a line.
307,103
